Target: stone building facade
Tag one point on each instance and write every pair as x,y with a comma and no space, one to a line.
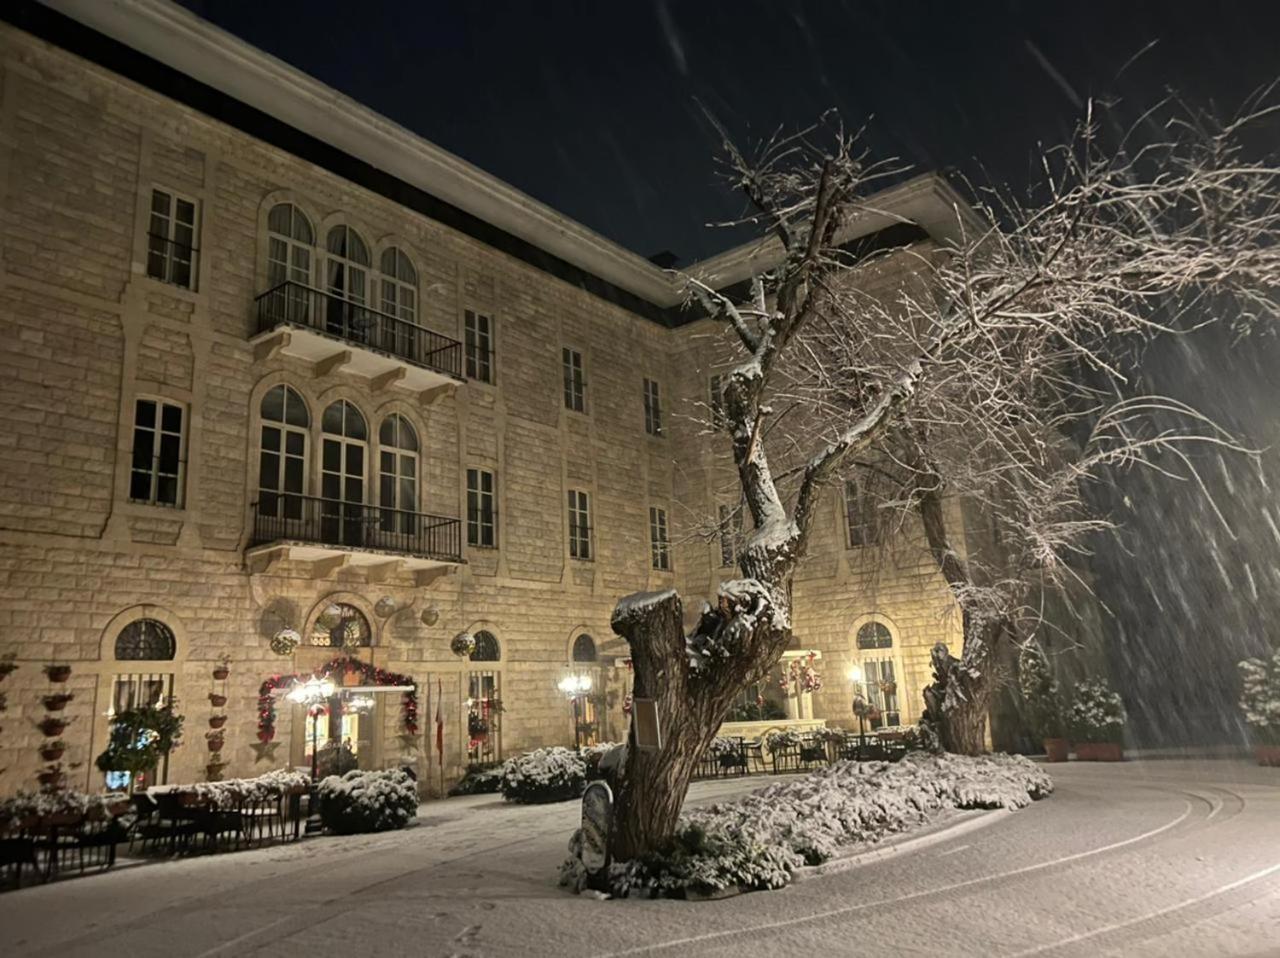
232,301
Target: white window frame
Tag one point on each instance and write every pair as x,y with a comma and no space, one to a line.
652,407
163,242
475,359
659,540
283,455
158,432
398,287
476,523
575,380
580,531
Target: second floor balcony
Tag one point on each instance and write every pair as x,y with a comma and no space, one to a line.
337,334
331,534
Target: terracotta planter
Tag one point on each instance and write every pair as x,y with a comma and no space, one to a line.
221,674
217,721
53,727
215,744
51,754
58,673
1267,754
217,701
1056,749
1099,752
50,778
56,703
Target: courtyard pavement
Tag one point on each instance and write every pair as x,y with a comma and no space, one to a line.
1149,858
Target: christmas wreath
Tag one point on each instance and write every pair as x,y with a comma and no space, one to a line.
369,674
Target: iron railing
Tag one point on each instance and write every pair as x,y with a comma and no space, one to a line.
297,305
287,517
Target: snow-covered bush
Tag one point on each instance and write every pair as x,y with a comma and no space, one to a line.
1096,713
237,791
553,774
1260,697
479,780
782,738
760,840
1039,694
367,801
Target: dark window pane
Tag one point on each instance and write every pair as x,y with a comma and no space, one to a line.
273,404
145,413
171,418
170,452
295,443
140,486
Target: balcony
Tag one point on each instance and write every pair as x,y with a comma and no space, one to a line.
334,334
331,535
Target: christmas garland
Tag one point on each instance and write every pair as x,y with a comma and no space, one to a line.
370,674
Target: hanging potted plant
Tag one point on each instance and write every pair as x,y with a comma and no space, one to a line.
7,664
1042,702
477,727
462,645
52,751
217,721
215,741
57,673
51,726
139,738
1096,720
223,668
57,701
1260,701
51,776
213,768
217,700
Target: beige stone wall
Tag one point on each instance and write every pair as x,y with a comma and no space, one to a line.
86,333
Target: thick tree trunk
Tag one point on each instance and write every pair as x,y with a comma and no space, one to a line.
691,704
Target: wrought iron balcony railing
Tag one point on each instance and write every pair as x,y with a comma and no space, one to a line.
286,517
297,305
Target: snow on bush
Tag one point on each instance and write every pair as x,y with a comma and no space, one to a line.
760,840
237,791
367,801
479,780
1039,694
1260,696
1096,713
63,801
553,774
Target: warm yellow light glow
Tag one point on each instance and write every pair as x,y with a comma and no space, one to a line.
855,673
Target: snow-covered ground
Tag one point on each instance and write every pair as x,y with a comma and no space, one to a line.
1146,858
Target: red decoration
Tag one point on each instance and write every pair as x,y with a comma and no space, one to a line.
343,666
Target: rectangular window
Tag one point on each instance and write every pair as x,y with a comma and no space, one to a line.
171,239
717,401
860,515
579,524
575,387
156,476
730,534
482,529
652,409
478,337
659,548
880,689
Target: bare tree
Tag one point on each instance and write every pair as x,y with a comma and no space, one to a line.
962,381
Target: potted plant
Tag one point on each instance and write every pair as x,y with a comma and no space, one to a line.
1043,703
223,668
216,700
1260,701
51,776
213,768
217,721
7,664
52,726
214,740
477,726
52,751
1096,720
139,738
57,673
57,701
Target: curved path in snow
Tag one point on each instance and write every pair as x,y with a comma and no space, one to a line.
1154,858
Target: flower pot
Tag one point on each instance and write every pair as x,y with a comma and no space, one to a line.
51,754
53,727
58,673
1099,752
217,701
1267,754
1056,749
213,773
50,778
217,721
220,673
215,744
56,703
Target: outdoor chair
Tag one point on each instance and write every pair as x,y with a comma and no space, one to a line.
754,751
813,751
172,823
786,758
16,852
734,762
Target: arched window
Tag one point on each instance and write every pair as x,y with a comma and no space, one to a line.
487,648
290,241
584,648
282,456
341,625
348,260
875,635
398,474
342,475
147,640
399,285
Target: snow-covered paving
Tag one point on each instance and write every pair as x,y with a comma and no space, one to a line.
1113,846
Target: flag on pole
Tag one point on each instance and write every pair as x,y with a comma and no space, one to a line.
440,723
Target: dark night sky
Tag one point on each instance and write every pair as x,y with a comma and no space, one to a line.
590,108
